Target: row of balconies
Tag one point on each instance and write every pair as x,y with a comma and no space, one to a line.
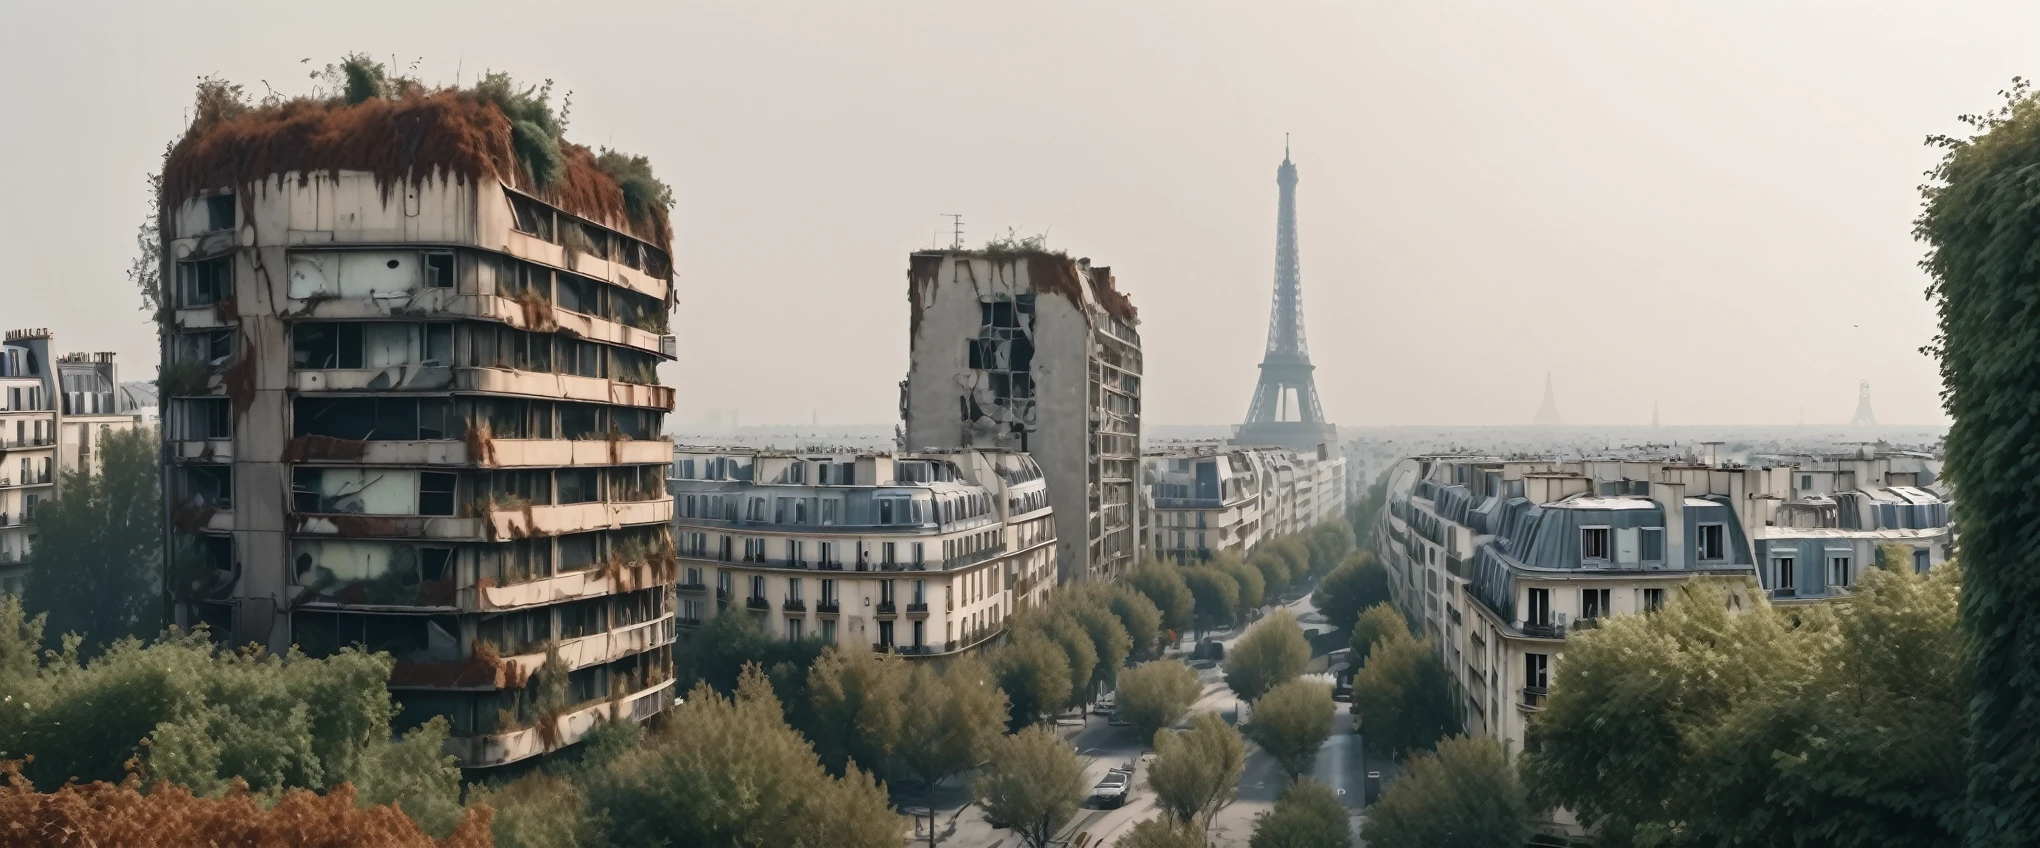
499,524
499,453
577,653
481,751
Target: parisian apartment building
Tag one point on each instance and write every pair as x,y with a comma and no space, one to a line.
1037,353
54,410
923,554
419,413
1211,497
1498,560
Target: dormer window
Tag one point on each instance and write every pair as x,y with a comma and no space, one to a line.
1594,543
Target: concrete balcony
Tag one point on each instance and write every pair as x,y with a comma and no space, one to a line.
490,453
202,450
569,586
442,305
553,520
504,381
511,746
387,527
481,673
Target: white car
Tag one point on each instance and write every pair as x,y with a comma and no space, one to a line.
1112,791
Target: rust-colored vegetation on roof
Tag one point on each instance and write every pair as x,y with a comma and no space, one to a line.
1051,271
405,133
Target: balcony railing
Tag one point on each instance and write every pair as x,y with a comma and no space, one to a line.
1544,631
794,605
696,587
1533,697
917,608
828,608
758,603
887,608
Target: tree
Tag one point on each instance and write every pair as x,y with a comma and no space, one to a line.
1379,622
1253,587
953,726
1077,649
1196,772
1275,573
1217,596
1291,722
98,561
539,810
729,771
1034,782
1272,652
1328,544
1035,675
1164,586
1161,832
1141,618
1403,697
1109,640
1292,549
1833,725
1980,225
1358,583
1463,796
859,700
1155,695
1308,815
195,716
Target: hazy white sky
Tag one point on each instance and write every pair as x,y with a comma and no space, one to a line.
1706,205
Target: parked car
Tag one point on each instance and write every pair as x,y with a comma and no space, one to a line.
1118,719
1112,791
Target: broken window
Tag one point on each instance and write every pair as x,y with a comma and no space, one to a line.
325,345
211,485
580,421
532,217
205,418
439,270
374,418
438,344
579,485
580,294
219,212
205,282
435,493
511,489
579,551
207,346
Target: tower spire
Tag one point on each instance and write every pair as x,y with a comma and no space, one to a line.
1285,410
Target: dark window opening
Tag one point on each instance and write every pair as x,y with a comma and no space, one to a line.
532,217
205,282
212,485
435,493
580,421
438,344
439,270
324,345
578,551
219,212
579,485
374,418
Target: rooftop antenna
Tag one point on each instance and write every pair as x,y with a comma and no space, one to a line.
956,231
1285,147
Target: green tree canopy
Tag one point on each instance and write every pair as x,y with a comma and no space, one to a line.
1291,721
729,771
1253,587
1358,583
199,717
1328,544
1981,224
954,724
1831,725
1109,640
1034,783
1379,622
1308,815
1161,832
1464,795
1197,771
1035,675
1402,698
859,707
1272,652
1141,618
1217,596
1164,586
1292,549
1156,694
1078,650
98,566
1275,573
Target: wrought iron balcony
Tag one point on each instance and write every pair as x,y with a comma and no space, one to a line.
758,603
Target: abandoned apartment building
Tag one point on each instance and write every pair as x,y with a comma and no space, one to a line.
922,554
420,415
54,410
1034,352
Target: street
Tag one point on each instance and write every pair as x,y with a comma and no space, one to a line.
1339,765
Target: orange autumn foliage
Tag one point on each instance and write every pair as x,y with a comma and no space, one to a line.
107,814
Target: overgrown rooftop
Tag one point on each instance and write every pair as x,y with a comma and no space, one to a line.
365,119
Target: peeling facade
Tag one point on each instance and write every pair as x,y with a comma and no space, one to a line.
54,409
423,417
923,554
1038,353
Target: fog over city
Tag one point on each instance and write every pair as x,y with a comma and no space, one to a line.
1706,210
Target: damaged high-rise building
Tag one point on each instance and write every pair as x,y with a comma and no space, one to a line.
1037,352
410,404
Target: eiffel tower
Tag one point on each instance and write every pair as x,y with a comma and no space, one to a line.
1285,411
